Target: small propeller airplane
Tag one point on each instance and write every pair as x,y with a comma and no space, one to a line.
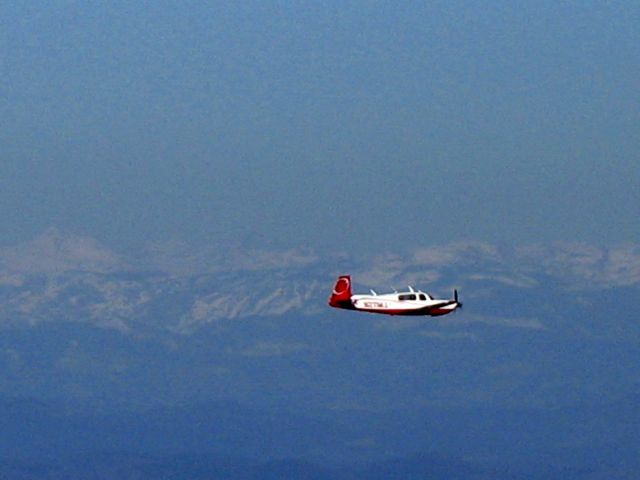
398,303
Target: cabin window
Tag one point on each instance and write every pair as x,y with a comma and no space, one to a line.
423,297
410,296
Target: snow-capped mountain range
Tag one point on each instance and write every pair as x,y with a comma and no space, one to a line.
545,348
176,288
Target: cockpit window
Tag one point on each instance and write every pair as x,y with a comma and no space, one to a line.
422,296
409,296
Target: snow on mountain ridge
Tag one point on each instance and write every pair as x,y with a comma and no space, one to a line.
61,277
55,252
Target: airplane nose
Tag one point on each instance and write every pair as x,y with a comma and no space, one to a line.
455,297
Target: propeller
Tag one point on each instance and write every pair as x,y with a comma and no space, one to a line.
455,297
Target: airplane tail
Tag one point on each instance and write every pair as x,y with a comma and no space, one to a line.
341,295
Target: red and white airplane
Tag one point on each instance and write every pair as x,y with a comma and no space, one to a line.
398,303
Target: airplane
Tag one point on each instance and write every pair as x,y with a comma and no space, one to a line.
413,302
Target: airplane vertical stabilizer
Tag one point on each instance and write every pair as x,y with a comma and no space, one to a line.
341,295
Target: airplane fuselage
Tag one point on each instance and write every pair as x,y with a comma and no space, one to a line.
405,303
413,302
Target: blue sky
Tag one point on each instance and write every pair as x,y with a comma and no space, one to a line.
361,125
